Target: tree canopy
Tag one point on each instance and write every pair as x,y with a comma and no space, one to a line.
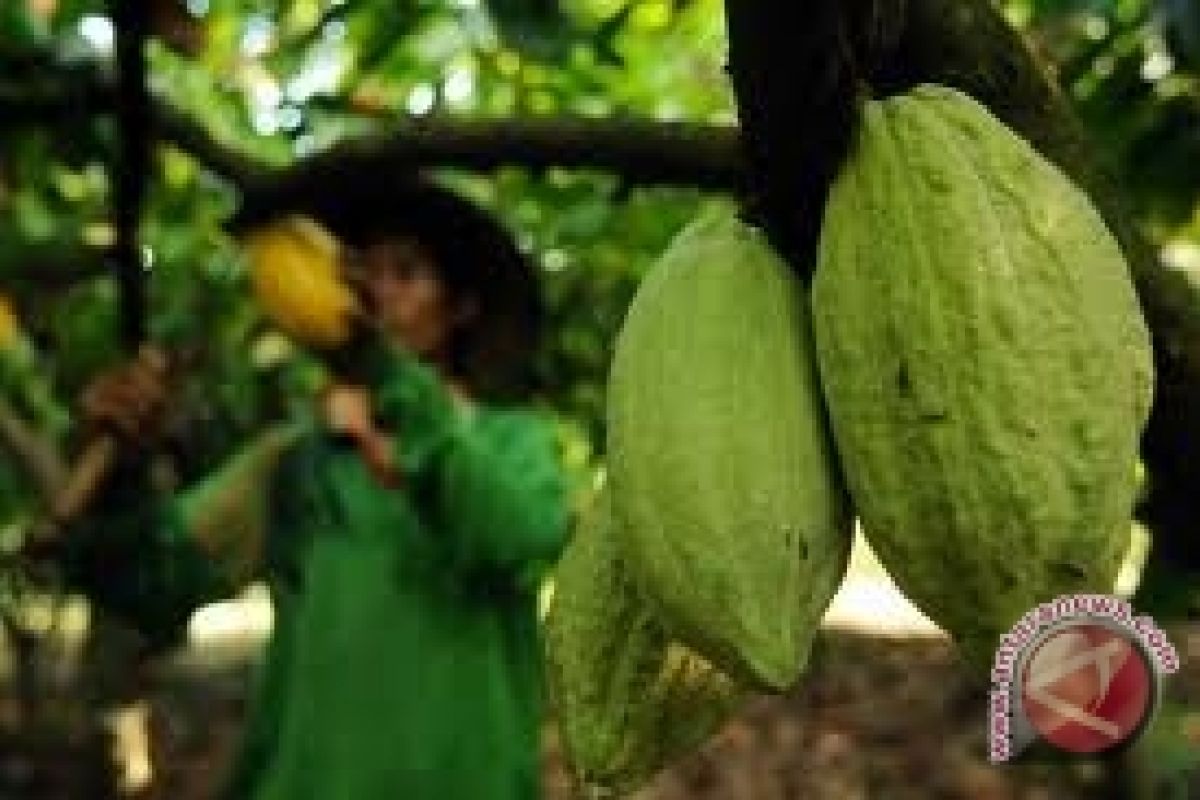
591,127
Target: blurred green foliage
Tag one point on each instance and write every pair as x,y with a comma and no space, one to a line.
278,79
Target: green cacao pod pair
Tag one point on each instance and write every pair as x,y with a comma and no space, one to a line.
628,697
702,570
987,373
985,363
732,515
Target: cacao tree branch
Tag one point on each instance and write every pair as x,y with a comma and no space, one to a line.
647,152
643,152
797,79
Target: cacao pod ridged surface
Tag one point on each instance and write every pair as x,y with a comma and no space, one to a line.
295,275
628,699
733,518
987,369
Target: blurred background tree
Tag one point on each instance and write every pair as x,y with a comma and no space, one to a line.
278,81
244,87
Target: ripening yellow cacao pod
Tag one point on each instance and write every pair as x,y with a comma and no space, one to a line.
295,275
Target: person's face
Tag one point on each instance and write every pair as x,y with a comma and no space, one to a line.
408,297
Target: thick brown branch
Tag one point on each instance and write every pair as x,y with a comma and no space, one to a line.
642,152
797,79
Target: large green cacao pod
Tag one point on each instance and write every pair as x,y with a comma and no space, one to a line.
628,699
985,362
733,516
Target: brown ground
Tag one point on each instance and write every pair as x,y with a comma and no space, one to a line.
878,718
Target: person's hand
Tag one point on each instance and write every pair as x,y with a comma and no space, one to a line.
348,411
130,400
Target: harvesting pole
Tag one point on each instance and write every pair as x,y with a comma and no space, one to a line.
133,113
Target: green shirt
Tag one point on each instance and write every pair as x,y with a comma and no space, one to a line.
405,660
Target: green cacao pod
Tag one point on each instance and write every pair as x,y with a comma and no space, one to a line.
628,698
732,514
985,362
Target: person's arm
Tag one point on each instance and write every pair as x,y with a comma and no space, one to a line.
228,514
492,492
154,559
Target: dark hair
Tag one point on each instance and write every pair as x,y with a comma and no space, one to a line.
475,256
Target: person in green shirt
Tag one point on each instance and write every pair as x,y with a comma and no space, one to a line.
402,531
